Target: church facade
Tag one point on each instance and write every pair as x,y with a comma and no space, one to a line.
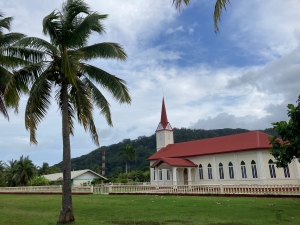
234,159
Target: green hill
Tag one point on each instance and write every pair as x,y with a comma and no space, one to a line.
145,147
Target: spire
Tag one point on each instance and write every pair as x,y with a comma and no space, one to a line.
164,123
163,119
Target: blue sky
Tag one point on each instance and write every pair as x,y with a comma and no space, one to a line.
242,77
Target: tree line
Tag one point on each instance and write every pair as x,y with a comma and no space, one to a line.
23,172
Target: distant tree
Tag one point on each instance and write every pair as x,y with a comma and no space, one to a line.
44,169
54,169
96,169
9,173
128,153
24,170
2,180
289,148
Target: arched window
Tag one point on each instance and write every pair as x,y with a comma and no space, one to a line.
154,173
272,169
286,171
243,169
221,171
168,175
254,170
160,174
230,168
200,172
209,170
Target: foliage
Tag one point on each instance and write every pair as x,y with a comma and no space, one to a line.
128,153
23,171
152,210
7,62
39,181
284,151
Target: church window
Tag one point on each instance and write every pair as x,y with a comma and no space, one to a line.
286,171
221,171
243,169
209,170
272,169
160,174
168,175
154,174
253,168
200,172
230,168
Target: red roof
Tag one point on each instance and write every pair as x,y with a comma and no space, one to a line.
225,144
163,119
174,162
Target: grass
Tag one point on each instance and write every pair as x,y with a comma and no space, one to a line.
150,210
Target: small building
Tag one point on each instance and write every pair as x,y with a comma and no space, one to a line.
79,177
234,159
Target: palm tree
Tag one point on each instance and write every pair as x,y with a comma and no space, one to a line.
44,169
6,62
9,173
128,152
64,70
24,171
219,6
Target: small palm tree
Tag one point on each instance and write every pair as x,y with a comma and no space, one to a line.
24,170
65,71
219,6
128,153
44,169
6,62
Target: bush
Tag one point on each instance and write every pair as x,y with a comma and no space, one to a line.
39,181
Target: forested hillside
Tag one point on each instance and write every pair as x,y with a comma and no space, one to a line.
145,147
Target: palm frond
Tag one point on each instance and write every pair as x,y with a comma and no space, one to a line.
38,44
5,76
25,55
68,69
37,105
5,23
19,83
219,6
51,26
83,30
116,86
80,98
10,38
106,50
99,100
72,8
180,3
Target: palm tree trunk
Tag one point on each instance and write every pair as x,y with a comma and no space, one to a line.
126,167
66,213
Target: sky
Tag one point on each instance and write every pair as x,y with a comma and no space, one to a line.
243,77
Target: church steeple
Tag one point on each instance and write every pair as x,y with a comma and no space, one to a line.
164,131
164,123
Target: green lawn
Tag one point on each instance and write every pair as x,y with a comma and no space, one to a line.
150,210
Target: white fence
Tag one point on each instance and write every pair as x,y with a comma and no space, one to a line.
200,189
151,189
46,189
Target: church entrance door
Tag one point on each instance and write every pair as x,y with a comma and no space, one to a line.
185,176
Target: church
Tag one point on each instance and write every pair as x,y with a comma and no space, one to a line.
234,159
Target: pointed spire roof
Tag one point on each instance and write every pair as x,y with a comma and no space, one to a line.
164,123
163,119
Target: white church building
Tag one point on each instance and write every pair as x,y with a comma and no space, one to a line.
234,159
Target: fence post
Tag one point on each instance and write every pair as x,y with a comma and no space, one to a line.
222,188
